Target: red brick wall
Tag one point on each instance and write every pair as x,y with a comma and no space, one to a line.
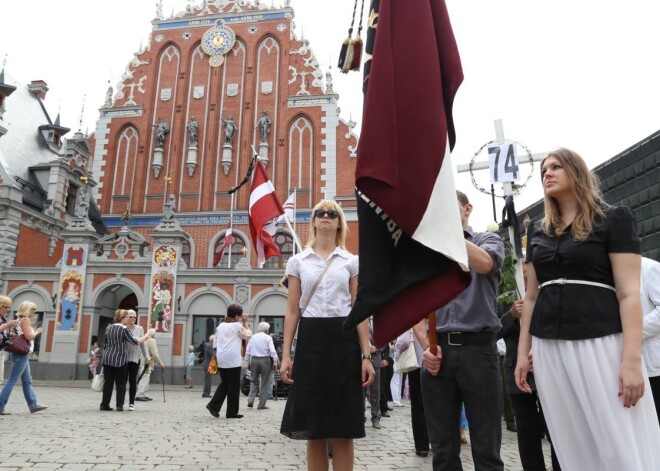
32,249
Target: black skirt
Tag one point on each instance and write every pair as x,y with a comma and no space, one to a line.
326,399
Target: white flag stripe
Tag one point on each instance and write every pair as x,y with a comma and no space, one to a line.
289,207
447,237
259,192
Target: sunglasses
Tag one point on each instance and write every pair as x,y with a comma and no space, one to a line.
331,213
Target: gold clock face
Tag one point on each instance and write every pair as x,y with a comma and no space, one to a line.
218,40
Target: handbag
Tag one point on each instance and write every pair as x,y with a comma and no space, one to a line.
407,361
19,344
98,382
213,366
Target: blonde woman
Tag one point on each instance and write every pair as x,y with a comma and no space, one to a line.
20,364
331,365
582,320
115,359
5,332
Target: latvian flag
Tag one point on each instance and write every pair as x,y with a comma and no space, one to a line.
229,240
412,251
289,207
264,210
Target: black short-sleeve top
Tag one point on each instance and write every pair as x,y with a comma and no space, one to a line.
579,311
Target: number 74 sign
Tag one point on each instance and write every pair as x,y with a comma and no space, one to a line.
503,162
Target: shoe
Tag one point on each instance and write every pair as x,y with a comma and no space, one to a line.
422,453
37,408
385,414
131,407
2,412
250,404
376,424
512,428
206,395
264,407
237,416
148,398
213,412
141,399
389,408
105,408
398,404
120,408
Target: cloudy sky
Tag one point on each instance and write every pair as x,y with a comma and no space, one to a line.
581,74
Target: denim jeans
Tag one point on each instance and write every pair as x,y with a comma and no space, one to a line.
468,374
20,368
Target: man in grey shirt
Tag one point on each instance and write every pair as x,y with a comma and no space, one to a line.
466,369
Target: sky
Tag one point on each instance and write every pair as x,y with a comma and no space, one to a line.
580,74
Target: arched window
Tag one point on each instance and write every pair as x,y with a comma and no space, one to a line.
236,251
284,243
185,253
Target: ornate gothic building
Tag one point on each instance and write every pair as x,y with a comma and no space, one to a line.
134,215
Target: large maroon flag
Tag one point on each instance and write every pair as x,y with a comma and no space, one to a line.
264,210
412,253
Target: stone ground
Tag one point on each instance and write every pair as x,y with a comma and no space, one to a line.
180,434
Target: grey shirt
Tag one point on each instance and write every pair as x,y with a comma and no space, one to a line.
475,309
134,352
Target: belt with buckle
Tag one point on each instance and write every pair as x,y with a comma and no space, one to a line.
466,338
564,281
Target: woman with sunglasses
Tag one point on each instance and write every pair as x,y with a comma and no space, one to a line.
331,365
115,359
20,364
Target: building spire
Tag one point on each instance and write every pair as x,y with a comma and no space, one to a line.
82,113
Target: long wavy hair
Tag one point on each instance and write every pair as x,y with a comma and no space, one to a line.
585,187
340,237
25,309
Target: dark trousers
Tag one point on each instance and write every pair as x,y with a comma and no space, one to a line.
468,374
207,384
132,368
386,374
507,407
655,389
530,424
230,388
114,375
420,434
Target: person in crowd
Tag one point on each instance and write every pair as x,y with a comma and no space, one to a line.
387,371
5,331
20,364
115,359
261,359
93,361
135,353
373,391
582,322
420,434
507,407
190,362
228,339
209,352
465,368
396,383
528,411
152,359
650,295
331,364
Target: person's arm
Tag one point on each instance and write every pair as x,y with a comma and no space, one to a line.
626,268
523,365
153,351
368,371
291,318
9,324
651,323
28,332
245,332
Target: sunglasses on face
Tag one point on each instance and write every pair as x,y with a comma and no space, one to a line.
331,213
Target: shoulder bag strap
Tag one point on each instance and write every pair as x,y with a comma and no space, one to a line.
318,280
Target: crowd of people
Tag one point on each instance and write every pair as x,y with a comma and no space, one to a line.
581,349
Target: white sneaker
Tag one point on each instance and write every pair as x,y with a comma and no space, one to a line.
397,404
131,407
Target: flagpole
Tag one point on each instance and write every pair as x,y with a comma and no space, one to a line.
231,224
295,236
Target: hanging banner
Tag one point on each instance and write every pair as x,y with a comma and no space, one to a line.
72,278
163,280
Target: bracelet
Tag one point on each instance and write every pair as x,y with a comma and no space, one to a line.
367,357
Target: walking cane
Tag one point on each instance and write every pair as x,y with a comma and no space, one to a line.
433,339
162,376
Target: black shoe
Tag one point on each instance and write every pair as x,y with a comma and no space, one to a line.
422,453
148,398
206,395
213,412
385,414
250,404
389,408
120,409
141,399
237,416
105,407
512,428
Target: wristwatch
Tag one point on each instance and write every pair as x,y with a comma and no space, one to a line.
367,357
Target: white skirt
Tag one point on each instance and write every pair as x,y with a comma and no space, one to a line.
578,385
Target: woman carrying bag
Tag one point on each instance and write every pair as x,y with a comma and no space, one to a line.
20,364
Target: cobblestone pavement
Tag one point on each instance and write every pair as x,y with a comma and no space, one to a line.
180,434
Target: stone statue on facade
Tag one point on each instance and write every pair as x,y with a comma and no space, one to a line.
161,129
264,126
168,208
82,208
192,132
230,129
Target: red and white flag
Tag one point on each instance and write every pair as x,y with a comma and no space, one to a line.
264,210
229,240
289,207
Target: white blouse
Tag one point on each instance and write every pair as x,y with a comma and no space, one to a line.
332,297
228,343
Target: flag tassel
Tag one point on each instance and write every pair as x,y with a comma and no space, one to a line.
357,54
348,61
342,53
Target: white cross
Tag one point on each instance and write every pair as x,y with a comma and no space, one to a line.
507,188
